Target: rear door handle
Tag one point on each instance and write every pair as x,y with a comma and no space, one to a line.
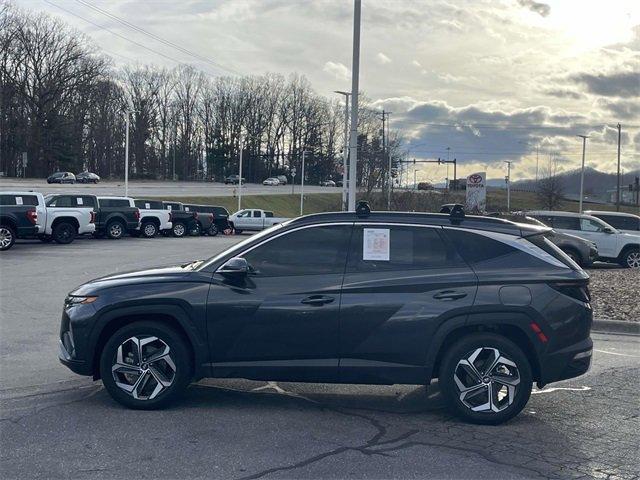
449,295
317,300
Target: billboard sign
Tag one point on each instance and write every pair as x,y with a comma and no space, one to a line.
477,192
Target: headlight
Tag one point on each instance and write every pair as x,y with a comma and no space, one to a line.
72,300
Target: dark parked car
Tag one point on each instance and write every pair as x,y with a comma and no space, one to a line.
486,306
87,177
116,216
62,177
184,222
219,218
581,251
18,217
233,180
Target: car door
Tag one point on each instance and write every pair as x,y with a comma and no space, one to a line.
281,321
594,230
401,283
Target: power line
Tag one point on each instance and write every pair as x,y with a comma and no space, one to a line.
501,126
114,33
156,37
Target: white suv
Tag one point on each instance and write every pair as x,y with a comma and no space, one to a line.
613,245
624,222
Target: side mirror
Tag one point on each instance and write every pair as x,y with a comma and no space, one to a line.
235,267
608,230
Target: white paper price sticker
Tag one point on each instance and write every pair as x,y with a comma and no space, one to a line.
376,244
79,200
19,201
147,206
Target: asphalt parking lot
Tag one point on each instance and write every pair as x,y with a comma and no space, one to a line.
54,424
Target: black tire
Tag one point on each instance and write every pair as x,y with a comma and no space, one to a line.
630,258
179,229
573,255
465,348
180,357
149,229
64,233
196,230
7,237
213,230
115,229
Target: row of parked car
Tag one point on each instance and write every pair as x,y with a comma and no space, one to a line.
62,217
589,236
70,177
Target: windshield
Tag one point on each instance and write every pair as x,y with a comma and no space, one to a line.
239,246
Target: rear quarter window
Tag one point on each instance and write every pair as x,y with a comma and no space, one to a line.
30,200
114,202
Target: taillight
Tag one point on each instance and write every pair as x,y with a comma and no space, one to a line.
137,214
170,216
93,217
32,215
211,216
577,291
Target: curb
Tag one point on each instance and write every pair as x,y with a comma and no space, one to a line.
615,326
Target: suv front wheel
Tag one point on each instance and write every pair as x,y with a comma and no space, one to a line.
485,378
145,365
631,258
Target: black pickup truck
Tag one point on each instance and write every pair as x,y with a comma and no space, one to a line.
116,216
18,218
218,218
183,221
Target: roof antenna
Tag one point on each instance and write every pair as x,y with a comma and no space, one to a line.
363,209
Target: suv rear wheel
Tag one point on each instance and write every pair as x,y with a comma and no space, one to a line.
115,229
179,229
7,237
145,365
64,233
485,378
196,230
213,230
631,258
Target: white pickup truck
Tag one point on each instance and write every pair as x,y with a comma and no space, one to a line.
65,217
153,218
253,220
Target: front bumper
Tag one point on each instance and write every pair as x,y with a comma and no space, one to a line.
76,366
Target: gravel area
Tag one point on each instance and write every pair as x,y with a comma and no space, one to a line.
615,292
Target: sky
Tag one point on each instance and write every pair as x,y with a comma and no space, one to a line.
482,81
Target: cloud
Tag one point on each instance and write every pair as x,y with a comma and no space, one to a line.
382,59
616,84
540,8
337,69
564,93
416,63
627,109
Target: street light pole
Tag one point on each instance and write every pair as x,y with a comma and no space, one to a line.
126,157
355,76
304,153
345,160
584,147
508,179
240,175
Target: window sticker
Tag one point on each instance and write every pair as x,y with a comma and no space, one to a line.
147,206
186,209
376,243
19,201
79,200
169,207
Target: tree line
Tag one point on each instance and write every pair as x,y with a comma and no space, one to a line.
64,106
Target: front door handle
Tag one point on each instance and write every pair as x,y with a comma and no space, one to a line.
449,295
317,300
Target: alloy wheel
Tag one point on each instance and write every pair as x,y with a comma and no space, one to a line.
6,237
115,230
486,380
178,230
633,260
143,367
149,230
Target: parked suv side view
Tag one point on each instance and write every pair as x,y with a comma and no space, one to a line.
624,222
374,298
613,245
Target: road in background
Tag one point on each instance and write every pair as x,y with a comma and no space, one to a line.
158,189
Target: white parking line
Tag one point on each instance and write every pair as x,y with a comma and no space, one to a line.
619,354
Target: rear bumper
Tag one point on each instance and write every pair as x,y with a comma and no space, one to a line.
570,362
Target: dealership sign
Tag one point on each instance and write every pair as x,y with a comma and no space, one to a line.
477,192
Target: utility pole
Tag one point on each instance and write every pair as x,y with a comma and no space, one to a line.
345,159
355,77
126,157
584,147
240,174
304,153
508,180
537,160
618,189
175,141
385,152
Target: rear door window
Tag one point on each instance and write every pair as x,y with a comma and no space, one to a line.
566,223
377,248
621,222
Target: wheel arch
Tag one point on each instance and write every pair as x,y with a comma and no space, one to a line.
150,219
574,250
72,220
509,326
7,220
626,249
170,315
